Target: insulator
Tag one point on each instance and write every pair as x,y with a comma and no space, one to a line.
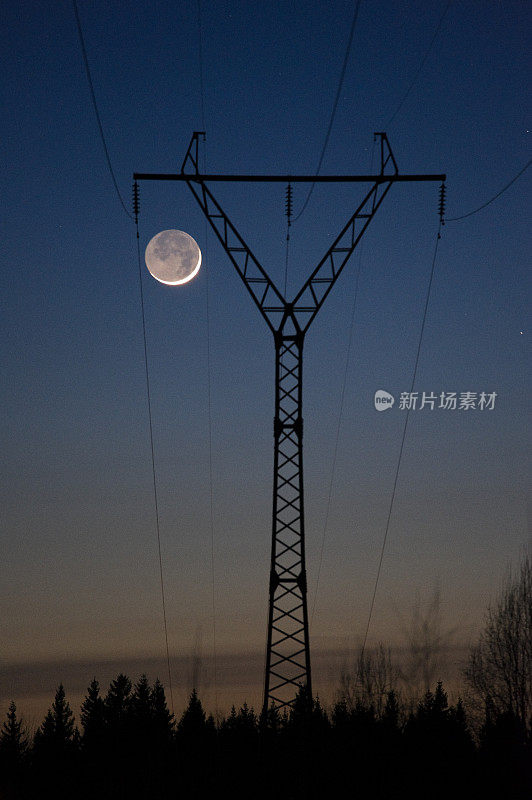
288,202
136,199
442,203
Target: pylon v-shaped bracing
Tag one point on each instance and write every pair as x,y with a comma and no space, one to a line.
288,650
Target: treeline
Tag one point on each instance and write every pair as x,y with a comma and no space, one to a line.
129,745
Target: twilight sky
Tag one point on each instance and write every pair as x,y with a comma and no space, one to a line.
79,574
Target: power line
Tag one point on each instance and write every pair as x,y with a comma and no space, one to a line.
340,414
337,438
152,449
202,89
335,105
405,427
495,196
209,388
211,497
95,106
420,68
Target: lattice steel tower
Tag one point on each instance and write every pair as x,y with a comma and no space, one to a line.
288,651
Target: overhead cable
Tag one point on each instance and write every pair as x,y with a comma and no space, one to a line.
420,68
340,415
200,52
403,438
335,105
209,375
152,449
95,106
495,196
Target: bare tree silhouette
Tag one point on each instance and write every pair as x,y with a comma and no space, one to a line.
427,642
374,676
499,672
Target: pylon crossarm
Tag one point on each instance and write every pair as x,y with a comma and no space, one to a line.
312,294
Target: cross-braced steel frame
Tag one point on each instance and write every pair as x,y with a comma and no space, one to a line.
288,650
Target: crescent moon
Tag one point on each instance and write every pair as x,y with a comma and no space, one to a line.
173,257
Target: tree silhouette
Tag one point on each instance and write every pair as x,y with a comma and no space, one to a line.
93,739
439,747
13,740
55,749
14,751
195,739
499,672
426,642
130,749
270,720
193,723
57,734
374,675
116,757
163,719
391,713
92,717
140,707
505,757
117,702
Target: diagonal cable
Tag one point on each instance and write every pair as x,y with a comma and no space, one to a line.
403,438
335,105
340,414
495,196
154,474
337,438
209,389
420,68
95,106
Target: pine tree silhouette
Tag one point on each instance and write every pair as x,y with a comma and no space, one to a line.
390,715
118,736
14,751
57,734
163,719
196,741
193,723
13,740
140,707
56,750
92,717
117,702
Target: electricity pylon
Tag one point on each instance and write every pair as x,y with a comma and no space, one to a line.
288,650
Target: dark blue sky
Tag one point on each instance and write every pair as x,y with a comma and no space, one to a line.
80,570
